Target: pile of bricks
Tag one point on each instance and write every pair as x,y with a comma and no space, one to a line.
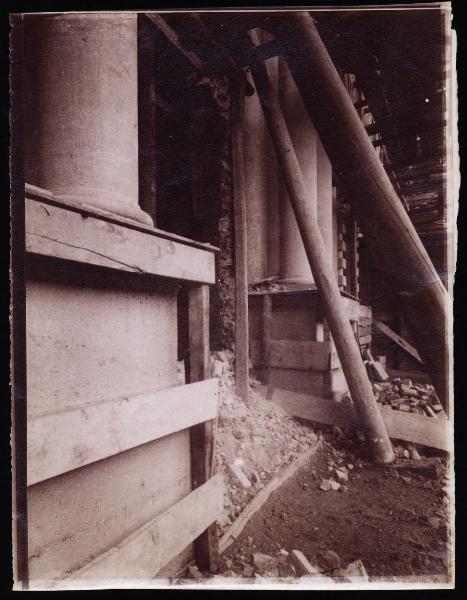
402,394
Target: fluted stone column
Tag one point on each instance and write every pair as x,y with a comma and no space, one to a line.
81,126
294,265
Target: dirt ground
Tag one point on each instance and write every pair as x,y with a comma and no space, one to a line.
394,519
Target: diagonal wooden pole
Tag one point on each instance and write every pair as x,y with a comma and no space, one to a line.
321,267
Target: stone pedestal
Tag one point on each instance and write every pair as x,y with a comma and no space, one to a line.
81,111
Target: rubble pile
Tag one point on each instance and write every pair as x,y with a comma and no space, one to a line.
402,394
254,441
324,566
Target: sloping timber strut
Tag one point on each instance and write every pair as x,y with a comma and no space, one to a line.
384,222
341,329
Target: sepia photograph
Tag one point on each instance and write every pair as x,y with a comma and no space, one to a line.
233,250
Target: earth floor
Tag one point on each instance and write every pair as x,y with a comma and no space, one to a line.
393,519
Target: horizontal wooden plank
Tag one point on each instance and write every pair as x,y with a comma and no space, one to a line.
392,335
409,427
146,551
65,234
33,192
364,340
304,355
62,441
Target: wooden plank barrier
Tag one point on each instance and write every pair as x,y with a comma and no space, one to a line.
61,441
156,543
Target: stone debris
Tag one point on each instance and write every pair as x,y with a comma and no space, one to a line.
265,565
403,395
301,564
194,572
254,441
236,470
329,484
248,571
353,573
341,474
329,560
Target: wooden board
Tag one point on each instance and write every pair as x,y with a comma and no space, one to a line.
403,426
65,234
62,441
291,354
146,551
392,335
266,333
254,505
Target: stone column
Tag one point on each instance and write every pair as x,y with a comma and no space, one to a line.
294,266
317,172
325,199
81,107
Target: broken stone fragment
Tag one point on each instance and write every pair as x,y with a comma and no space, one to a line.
408,391
404,407
353,572
414,455
248,571
341,475
325,485
301,564
437,407
194,572
236,471
265,565
329,560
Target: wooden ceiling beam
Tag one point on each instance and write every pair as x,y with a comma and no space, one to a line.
174,39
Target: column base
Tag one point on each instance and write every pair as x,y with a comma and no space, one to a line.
296,281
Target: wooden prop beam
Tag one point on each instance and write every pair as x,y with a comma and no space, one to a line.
374,202
393,336
241,267
336,314
202,436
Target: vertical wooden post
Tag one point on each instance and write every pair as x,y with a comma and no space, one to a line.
241,267
267,316
352,258
202,435
347,348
